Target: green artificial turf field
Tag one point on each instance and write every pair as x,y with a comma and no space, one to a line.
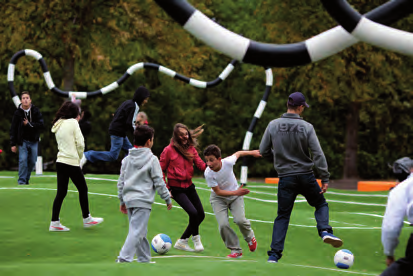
28,248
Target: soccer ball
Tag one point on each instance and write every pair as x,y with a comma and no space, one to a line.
344,259
161,244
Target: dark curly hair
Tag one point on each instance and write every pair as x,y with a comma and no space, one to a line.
68,110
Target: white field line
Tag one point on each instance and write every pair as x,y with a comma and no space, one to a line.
263,200
249,186
354,224
331,269
276,187
254,198
270,201
243,260
373,215
163,204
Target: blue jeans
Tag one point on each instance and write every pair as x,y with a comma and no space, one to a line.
27,160
288,189
117,144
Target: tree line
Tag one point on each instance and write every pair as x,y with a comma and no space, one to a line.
360,98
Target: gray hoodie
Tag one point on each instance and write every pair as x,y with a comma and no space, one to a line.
140,176
290,139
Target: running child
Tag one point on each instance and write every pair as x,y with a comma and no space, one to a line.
140,176
226,195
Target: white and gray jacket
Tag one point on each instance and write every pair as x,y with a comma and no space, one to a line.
399,206
140,176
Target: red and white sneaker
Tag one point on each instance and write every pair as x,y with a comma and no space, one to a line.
56,226
252,244
91,221
235,255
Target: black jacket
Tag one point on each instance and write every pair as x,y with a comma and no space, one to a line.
123,118
28,132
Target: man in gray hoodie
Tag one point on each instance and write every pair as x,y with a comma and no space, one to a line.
289,140
141,175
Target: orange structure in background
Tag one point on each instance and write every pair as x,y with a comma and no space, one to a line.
362,186
275,181
375,186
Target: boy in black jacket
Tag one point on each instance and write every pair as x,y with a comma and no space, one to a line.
123,120
25,132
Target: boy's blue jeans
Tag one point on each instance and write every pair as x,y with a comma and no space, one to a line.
27,160
288,189
117,144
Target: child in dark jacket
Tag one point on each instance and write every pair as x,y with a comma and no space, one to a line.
122,122
140,177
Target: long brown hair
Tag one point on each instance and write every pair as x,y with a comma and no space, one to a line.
68,110
192,139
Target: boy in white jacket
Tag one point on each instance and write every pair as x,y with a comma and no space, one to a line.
140,177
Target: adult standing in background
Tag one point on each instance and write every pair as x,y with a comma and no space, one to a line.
25,130
289,140
124,120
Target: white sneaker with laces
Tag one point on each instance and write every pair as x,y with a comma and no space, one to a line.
182,244
197,243
91,221
56,226
83,161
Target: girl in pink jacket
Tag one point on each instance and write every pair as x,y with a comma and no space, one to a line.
177,161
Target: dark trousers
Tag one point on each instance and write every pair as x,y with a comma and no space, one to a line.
403,266
64,172
288,189
189,200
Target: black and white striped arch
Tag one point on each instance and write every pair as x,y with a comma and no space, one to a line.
371,32
273,55
110,87
257,116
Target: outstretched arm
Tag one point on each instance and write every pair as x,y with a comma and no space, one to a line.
255,153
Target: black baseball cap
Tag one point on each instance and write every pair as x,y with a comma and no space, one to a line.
297,99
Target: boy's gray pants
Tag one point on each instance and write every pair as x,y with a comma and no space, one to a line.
235,204
136,242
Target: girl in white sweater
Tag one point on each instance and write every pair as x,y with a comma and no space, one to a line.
70,143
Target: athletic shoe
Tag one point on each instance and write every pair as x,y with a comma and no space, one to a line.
252,244
272,259
235,255
91,221
331,239
56,226
197,243
83,161
119,260
182,244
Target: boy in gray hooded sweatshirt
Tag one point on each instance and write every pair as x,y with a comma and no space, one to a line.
140,176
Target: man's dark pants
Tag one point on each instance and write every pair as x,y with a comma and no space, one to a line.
288,189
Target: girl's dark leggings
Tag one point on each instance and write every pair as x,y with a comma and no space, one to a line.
189,200
64,172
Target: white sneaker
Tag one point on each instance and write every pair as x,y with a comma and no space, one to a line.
197,243
91,221
182,244
56,226
83,161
